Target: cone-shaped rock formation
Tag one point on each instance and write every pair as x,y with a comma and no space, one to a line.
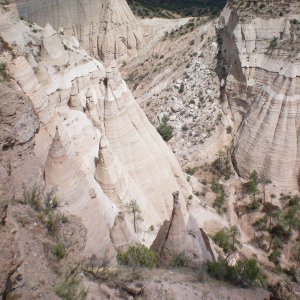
107,28
174,239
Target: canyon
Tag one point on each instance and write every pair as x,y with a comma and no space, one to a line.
138,127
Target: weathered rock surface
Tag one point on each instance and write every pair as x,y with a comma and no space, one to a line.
70,89
121,235
107,28
262,87
174,239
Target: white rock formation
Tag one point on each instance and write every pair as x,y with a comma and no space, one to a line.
262,87
136,143
175,239
107,28
70,89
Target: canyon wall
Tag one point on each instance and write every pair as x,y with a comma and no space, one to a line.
93,144
106,28
261,65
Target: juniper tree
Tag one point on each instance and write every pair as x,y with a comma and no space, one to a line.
134,210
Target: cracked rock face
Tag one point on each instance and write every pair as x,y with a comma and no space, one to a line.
262,87
107,28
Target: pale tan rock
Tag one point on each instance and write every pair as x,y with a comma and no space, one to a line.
52,49
121,234
140,149
74,101
175,239
138,166
262,88
71,186
107,28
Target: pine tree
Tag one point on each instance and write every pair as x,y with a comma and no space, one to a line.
134,210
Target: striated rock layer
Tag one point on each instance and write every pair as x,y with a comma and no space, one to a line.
262,69
107,28
104,152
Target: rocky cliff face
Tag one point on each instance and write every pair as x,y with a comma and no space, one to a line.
261,65
78,101
106,28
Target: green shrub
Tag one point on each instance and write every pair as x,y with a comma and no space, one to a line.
219,203
165,130
254,205
191,171
137,256
228,239
3,71
274,42
275,256
34,197
244,273
217,269
181,89
229,129
69,289
52,223
216,187
59,250
181,260
261,223
221,238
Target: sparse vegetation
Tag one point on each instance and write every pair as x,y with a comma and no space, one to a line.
219,203
181,88
181,260
191,171
134,210
165,129
175,8
137,256
45,204
70,289
228,239
98,268
222,165
245,272
274,43
59,250
3,72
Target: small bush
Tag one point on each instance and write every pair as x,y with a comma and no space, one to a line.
219,203
184,127
274,42
253,206
69,288
228,239
98,268
165,130
181,89
245,273
34,198
229,129
137,256
59,250
52,223
181,260
191,171
3,71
